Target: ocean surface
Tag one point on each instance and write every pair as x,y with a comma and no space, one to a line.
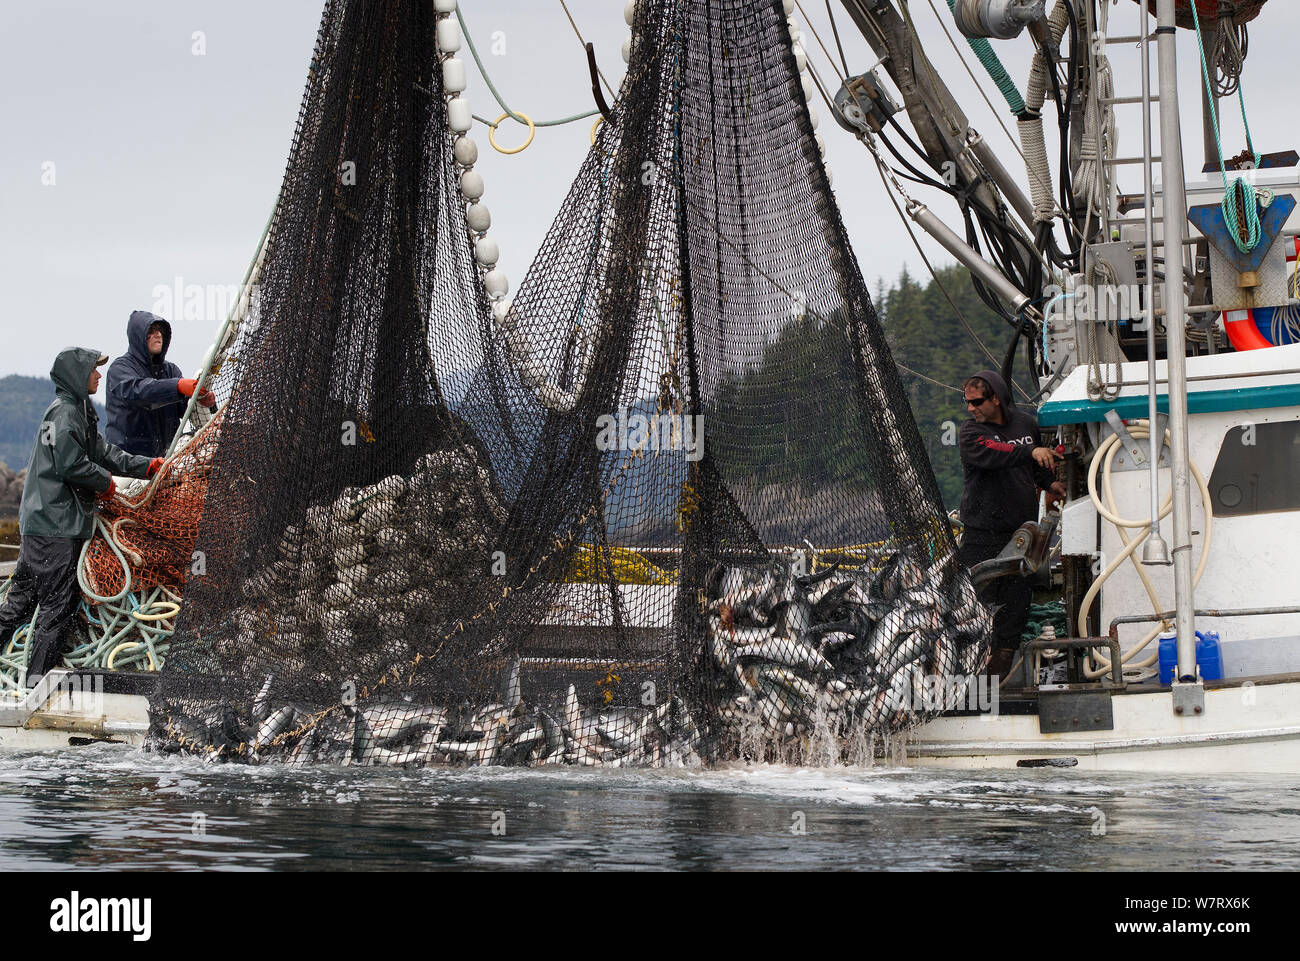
106,807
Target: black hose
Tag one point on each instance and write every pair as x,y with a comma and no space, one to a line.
1009,359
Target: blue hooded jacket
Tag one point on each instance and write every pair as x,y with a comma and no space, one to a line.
144,404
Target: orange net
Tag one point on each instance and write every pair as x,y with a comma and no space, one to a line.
155,530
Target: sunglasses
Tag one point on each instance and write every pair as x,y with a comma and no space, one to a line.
976,401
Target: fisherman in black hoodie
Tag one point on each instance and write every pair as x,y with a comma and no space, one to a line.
1004,469
146,393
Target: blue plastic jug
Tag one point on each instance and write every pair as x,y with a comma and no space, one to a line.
1168,656
1209,656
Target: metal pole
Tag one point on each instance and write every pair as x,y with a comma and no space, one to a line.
1207,122
976,264
1174,222
1006,183
1155,550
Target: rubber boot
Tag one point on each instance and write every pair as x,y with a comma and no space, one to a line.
1000,661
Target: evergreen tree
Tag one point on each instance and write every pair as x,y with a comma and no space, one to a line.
925,337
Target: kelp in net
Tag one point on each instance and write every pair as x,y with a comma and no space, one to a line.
667,506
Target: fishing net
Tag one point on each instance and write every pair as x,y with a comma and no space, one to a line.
146,539
131,570
667,506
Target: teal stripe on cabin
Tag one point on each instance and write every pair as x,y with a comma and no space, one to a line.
1057,412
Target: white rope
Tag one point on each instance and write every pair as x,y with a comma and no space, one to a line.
1031,129
1100,139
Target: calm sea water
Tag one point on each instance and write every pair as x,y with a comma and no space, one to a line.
114,807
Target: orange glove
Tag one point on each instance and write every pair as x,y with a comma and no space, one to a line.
154,464
112,489
207,398
186,386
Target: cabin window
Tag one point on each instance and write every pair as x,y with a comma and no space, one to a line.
1257,470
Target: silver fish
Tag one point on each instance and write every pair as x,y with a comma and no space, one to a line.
774,707
912,647
884,636
513,693
400,721
795,616
572,710
738,634
945,655
623,728
792,682
553,733
787,652
262,703
272,725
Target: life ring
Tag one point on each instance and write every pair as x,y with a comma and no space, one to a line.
1242,332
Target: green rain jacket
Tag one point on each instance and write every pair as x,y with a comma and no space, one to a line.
70,462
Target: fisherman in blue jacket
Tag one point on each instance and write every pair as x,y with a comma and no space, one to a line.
146,392
70,467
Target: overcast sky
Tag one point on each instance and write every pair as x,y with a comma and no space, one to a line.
142,142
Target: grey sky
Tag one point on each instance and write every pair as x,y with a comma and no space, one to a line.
166,163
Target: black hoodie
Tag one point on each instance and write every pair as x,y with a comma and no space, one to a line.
1002,478
144,406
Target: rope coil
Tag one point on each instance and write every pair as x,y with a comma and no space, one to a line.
1239,197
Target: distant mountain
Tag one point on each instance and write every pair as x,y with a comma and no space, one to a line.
22,402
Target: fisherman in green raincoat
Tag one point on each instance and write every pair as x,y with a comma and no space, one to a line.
70,466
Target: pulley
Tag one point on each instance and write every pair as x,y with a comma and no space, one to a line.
999,19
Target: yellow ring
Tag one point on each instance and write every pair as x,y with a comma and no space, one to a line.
125,644
175,609
599,120
492,134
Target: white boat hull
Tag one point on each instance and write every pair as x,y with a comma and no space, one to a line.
1246,728
70,711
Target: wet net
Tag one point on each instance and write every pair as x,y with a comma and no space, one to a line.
667,506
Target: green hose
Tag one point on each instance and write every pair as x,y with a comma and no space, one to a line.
111,623
984,50
84,582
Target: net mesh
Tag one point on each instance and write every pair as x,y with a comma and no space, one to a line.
668,506
154,530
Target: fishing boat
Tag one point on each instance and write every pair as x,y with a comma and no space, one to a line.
1115,342
1205,624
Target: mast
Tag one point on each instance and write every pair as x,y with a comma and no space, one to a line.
1174,221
